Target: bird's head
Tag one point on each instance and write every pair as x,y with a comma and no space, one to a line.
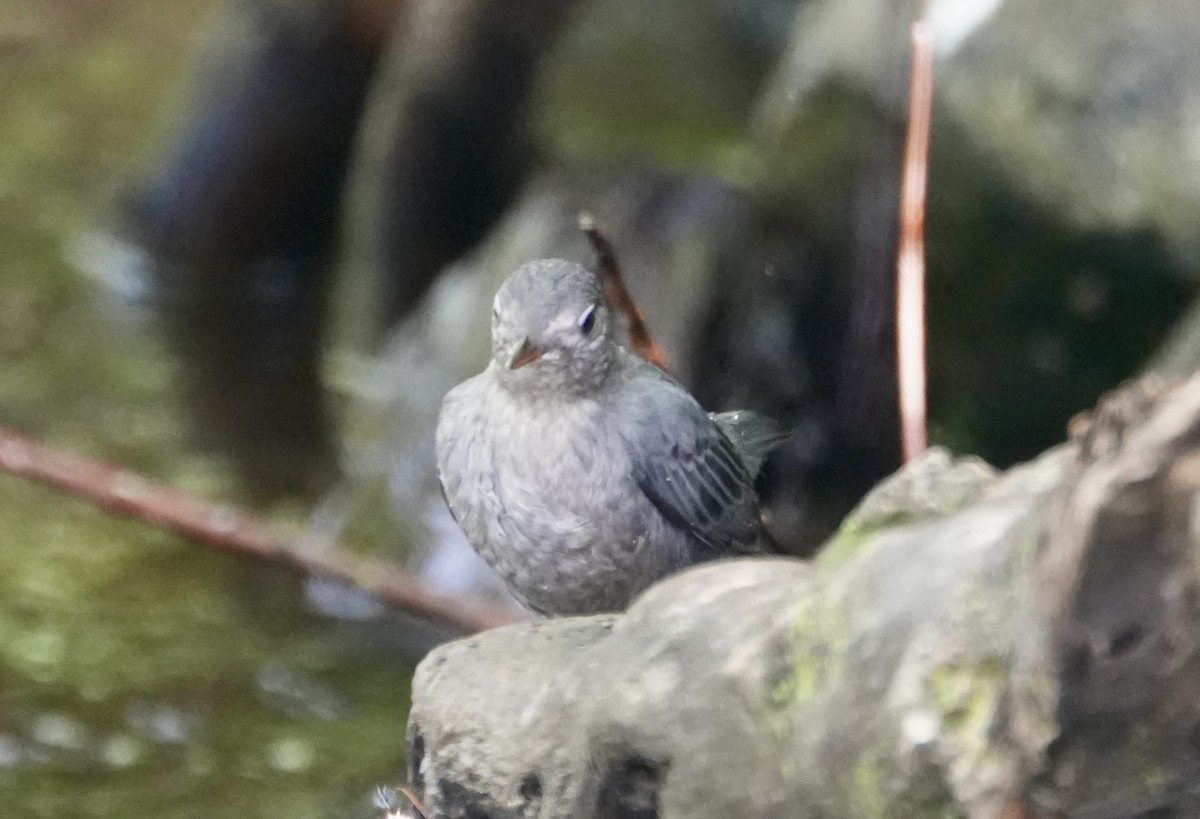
552,330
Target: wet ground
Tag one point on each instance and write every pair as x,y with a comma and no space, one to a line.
142,675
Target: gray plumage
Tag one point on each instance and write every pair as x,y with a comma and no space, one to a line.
580,472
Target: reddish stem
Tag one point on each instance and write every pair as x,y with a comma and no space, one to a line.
910,266
416,803
228,529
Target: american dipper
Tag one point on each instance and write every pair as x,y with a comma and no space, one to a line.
581,472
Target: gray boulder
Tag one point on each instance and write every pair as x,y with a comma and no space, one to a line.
1087,109
970,644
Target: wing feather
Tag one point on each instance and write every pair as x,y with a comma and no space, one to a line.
689,469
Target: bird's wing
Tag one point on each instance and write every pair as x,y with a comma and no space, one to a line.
753,434
689,469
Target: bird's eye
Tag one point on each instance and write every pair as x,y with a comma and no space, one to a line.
587,320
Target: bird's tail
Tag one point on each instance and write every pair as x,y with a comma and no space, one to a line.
754,435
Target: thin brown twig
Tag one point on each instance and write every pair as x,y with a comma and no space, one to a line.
385,799
223,527
640,339
416,803
910,265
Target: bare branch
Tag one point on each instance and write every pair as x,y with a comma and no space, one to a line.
226,528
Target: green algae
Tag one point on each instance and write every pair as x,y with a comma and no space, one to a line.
876,790
110,627
820,638
102,617
968,697
871,801
851,540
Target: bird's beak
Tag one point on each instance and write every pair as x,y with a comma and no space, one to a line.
525,354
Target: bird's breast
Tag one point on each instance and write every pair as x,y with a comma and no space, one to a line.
559,459
546,494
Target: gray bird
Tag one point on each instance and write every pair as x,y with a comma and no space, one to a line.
581,472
